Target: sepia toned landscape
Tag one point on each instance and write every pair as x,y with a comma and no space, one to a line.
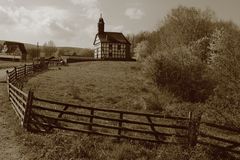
148,80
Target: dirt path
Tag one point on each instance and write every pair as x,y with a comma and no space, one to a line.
9,144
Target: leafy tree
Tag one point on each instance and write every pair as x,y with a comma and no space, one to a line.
137,39
142,50
49,48
224,66
33,53
178,54
184,26
61,52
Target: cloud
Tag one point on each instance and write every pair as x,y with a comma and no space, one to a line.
134,13
91,30
5,17
85,2
39,17
45,22
89,9
113,28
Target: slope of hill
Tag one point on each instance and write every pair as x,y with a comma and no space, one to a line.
27,45
65,50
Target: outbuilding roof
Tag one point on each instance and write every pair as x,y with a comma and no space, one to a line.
12,46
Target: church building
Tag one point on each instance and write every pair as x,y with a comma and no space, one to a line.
110,45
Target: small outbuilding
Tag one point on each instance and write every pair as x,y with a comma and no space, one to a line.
13,50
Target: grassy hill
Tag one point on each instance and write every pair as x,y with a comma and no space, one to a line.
100,84
66,50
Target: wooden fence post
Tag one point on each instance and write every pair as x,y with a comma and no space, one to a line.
25,70
15,72
190,130
28,110
120,126
91,120
193,129
33,68
7,79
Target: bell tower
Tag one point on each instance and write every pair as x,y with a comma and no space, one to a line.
101,25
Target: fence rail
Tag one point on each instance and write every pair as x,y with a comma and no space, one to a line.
42,115
115,120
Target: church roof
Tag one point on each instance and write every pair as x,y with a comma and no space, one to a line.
111,37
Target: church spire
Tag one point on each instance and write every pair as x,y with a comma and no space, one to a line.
101,25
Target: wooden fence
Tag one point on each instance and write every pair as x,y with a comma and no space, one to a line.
18,98
42,115
218,136
46,115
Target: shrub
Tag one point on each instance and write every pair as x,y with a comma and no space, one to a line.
160,100
181,72
142,50
224,67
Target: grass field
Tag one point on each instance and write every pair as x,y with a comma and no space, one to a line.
9,64
118,85
101,84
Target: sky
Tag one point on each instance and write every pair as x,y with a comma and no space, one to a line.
74,22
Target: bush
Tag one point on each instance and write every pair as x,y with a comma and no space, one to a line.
160,100
197,59
142,50
224,66
181,72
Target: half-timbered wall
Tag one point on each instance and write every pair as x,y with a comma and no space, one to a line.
97,50
113,50
110,50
